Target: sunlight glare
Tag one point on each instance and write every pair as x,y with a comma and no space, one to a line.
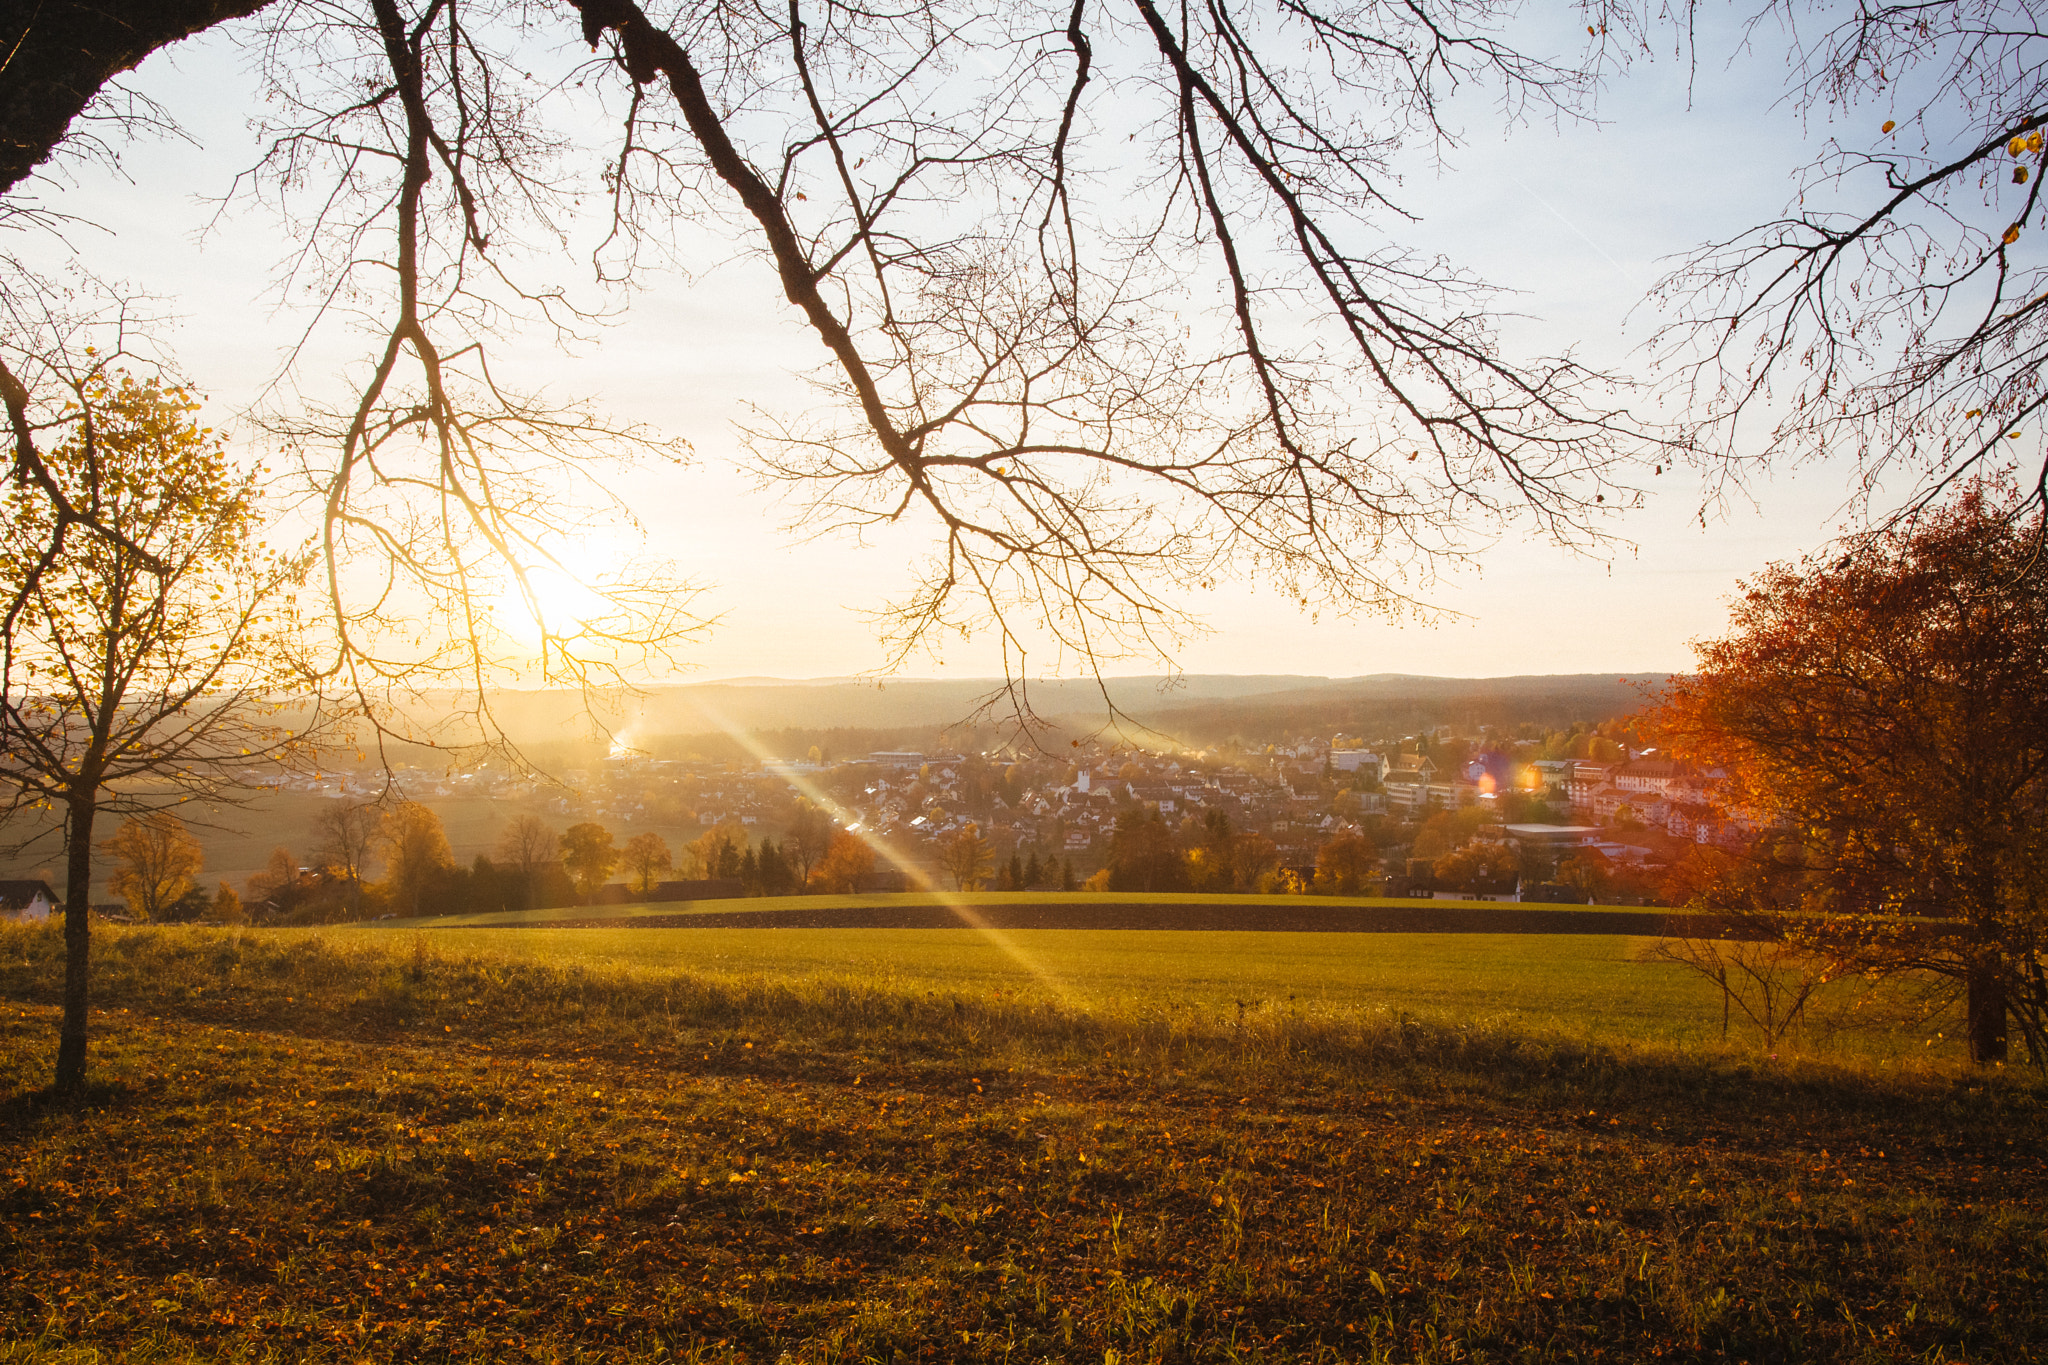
563,603
1004,941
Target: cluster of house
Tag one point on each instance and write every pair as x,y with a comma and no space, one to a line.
1284,793
911,795
1657,793
1299,795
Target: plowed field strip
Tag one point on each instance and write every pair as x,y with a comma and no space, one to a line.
1207,916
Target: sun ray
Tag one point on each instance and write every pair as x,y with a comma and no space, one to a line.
1003,940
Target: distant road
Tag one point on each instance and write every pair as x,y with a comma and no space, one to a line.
1292,916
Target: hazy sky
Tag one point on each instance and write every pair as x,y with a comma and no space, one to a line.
1579,220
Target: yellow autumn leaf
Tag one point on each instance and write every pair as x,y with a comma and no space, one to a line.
2017,146
1889,124
2012,436
2012,234
2019,175
2034,142
1974,412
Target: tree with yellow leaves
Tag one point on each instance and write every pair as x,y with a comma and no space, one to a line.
150,655
415,853
159,862
589,855
646,855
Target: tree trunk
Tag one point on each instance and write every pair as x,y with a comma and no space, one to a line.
1985,986
77,941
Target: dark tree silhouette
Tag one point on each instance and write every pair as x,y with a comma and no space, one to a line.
1897,312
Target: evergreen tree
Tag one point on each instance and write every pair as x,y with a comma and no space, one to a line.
1033,873
750,872
1013,875
1066,875
1142,856
776,878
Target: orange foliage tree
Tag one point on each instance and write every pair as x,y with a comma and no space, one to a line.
847,859
1883,720
1344,863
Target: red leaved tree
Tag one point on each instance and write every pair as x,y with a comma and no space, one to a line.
1882,718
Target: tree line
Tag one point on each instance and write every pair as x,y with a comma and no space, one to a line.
1148,854
369,860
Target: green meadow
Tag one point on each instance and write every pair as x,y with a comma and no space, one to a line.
1584,987
1606,987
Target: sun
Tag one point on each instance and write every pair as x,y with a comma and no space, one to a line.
552,598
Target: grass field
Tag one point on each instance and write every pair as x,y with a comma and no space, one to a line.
1584,988
808,1146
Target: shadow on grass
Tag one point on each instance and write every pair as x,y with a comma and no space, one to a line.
24,1109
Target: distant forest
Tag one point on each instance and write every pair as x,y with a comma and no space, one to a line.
741,722
1378,708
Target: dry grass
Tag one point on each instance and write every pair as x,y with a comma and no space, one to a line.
302,1150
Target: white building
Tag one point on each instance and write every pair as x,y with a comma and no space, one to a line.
26,902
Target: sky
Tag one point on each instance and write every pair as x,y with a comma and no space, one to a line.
1579,220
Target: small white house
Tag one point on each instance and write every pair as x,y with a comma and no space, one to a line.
26,902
